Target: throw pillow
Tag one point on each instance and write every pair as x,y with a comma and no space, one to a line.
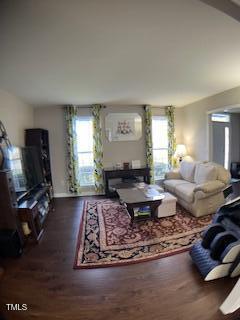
205,172
187,170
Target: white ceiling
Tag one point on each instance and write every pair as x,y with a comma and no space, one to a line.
157,52
233,111
236,1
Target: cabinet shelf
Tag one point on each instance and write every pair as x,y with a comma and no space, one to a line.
30,210
40,138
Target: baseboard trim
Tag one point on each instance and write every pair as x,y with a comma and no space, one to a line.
72,195
65,195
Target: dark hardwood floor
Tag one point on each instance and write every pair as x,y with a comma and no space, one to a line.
44,279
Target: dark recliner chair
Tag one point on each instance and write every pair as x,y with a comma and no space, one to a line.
217,255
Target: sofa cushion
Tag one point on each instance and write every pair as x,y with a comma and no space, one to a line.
171,184
187,170
186,191
222,174
205,172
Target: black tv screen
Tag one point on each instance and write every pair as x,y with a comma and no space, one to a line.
25,166
32,166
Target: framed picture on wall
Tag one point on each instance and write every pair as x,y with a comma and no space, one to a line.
123,126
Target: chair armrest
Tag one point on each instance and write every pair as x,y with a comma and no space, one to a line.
220,243
173,175
218,217
210,233
210,186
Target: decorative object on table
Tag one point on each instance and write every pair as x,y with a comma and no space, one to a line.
180,152
118,166
106,237
3,139
123,126
126,165
136,164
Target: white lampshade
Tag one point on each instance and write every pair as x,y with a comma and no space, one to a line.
181,151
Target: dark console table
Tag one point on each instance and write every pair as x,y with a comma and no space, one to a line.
125,173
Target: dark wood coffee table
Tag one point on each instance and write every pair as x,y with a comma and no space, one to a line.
138,198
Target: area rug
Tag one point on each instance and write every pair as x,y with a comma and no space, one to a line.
106,237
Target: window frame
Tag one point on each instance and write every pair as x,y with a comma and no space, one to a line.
81,118
220,117
160,117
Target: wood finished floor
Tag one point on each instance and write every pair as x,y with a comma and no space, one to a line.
165,289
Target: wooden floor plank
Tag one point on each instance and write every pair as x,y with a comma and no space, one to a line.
167,289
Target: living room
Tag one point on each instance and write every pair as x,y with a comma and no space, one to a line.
134,107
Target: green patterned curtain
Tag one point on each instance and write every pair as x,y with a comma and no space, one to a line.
148,133
171,136
97,149
71,115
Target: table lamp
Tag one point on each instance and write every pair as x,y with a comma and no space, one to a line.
180,152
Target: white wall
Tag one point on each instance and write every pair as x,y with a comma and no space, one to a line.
52,119
123,151
235,137
195,124
16,116
190,123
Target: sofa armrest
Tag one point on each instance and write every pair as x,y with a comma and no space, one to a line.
173,175
210,187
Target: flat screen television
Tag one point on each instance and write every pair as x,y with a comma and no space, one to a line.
25,166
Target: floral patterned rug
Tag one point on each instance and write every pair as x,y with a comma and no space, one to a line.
106,237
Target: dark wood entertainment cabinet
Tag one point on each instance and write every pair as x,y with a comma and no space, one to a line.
29,210
14,211
31,207
9,219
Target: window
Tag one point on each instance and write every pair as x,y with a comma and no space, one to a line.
220,117
160,146
226,148
84,128
220,138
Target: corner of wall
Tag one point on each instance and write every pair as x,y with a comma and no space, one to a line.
16,115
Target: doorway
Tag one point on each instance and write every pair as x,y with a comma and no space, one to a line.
220,138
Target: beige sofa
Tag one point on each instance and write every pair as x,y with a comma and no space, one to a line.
198,186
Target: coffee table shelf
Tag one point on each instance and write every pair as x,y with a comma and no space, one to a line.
136,198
